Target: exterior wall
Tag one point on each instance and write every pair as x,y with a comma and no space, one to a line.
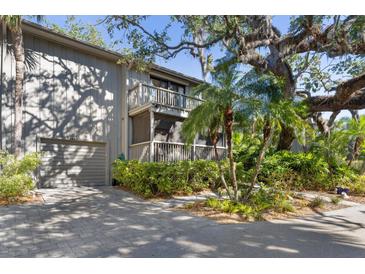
135,77
68,94
73,91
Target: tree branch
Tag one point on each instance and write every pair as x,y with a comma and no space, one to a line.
347,88
330,103
183,44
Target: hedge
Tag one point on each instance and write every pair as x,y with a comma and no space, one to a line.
16,175
166,179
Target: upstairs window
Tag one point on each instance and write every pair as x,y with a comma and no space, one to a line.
160,83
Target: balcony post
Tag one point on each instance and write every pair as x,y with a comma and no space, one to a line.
152,134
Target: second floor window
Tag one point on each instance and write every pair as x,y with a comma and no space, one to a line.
160,83
172,99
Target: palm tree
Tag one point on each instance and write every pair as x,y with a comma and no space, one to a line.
275,116
272,112
216,111
200,121
255,99
13,23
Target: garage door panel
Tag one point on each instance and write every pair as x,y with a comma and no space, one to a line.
78,150
72,163
70,159
83,151
84,173
71,167
66,183
74,178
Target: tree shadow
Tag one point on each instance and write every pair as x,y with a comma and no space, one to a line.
108,222
67,95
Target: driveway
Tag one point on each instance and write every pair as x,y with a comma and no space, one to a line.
107,222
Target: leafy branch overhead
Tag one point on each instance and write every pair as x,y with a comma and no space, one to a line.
80,31
245,36
296,56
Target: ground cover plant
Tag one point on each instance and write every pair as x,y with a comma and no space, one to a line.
16,174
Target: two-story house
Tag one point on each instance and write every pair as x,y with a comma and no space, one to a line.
82,110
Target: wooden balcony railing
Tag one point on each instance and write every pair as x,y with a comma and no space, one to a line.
140,151
143,94
157,151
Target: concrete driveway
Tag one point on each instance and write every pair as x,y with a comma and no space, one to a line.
106,222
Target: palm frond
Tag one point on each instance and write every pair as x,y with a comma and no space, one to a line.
13,22
205,116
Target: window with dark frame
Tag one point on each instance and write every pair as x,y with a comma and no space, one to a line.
166,84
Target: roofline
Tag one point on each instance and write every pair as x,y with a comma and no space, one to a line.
64,39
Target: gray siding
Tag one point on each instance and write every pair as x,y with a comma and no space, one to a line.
68,94
135,77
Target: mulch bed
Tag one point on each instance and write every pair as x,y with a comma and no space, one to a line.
300,205
357,199
351,198
157,197
29,199
160,197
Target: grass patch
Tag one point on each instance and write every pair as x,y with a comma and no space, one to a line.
317,202
335,200
228,206
284,206
254,208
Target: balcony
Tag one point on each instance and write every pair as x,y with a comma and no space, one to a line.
157,151
143,95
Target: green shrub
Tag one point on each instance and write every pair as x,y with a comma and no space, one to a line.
271,199
335,200
357,186
153,179
304,171
16,174
263,200
284,206
317,202
229,206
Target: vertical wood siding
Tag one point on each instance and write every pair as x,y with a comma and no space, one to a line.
68,94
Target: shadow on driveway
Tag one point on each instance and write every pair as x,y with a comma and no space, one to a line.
108,222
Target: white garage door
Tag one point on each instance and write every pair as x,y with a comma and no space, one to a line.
68,163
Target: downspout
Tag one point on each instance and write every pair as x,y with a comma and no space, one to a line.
3,33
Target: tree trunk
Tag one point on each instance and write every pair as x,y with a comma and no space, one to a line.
268,134
286,138
356,150
221,172
214,138
228,124
283,70
18,47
